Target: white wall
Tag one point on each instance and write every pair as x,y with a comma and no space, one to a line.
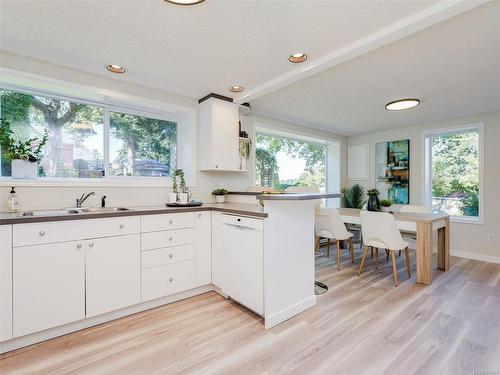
45,196
470,240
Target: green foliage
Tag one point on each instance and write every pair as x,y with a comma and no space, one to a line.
456,170
29,150
386,203
245,147
178,174
373,192
219,191
353,196
266,165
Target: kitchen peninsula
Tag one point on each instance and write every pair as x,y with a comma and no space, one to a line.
261,257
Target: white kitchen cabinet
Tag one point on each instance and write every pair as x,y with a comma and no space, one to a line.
48,286
5,282
164,280
203,248
237,259
218,131
113,273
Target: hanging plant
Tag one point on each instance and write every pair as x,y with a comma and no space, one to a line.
245,147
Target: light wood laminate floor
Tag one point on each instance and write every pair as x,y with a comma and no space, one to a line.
363,325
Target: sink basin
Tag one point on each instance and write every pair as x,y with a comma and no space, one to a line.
73,211
105,209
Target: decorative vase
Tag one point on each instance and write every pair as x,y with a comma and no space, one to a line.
220,198
24,169
172,197
373,203
243,163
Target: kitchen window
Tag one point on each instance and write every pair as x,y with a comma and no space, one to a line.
89,140
453,168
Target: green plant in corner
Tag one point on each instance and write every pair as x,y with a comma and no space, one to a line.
353,196
219,191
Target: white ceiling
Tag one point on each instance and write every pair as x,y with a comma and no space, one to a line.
206,48
453,67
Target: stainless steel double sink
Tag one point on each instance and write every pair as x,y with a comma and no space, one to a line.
73,211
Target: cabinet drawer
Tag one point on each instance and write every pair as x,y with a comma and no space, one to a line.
60,231
157,240
168,279
167,255
152,223
243,221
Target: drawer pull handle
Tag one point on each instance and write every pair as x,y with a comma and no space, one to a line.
91,244
170,221
122,226
171,256
170,239
79,246
171,279
41,233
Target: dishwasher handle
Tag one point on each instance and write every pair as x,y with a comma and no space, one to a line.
241,227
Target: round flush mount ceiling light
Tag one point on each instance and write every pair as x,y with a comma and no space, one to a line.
113,68
236,89
399,105
297,58
184,2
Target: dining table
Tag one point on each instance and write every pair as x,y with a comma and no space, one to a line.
423,225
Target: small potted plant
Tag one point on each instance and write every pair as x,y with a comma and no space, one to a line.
220,195
24,155
385,204
373,203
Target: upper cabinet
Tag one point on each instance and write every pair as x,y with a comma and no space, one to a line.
218,140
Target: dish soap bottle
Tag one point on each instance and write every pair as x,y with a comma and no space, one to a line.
13,202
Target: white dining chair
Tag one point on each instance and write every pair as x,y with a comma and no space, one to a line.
380,231
330,226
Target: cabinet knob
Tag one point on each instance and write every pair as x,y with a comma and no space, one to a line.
122,226
171,256
171,279
216,166
199,215
91,244
170,239
41,233
79,246
170,221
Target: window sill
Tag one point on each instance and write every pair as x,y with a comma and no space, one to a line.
151,182
466,220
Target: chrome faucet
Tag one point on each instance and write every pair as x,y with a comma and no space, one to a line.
83,198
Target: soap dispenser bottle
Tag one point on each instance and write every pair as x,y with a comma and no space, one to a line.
13,202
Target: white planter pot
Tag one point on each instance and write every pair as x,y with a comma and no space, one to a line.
24,169
243,164
183,198
172,197
220,198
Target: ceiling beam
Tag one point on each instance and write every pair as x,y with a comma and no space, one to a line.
407,26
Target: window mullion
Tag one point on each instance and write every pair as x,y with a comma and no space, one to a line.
106,142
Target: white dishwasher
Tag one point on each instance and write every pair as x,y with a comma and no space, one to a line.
238,259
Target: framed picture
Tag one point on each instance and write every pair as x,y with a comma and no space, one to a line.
357,162
392,170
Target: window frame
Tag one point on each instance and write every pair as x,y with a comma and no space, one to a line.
427,176
107,180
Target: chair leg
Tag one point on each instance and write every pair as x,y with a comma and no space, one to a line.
316,245
362,260
338,255
376,258
387,255
394,270
399,253
371,254
407,253
352,249
328,248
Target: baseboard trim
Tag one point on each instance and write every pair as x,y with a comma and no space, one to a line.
475,256
51,333
289,312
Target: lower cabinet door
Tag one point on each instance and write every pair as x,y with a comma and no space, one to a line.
113,273
48,286
168,279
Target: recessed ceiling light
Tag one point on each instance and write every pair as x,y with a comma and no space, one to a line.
185,2
113,68
297,58
399,105
236,89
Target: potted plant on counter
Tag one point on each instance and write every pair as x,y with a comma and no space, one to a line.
353,196
220,195
386,204
24,155
373,203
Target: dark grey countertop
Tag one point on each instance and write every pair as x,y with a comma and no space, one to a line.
236,208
